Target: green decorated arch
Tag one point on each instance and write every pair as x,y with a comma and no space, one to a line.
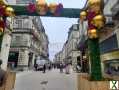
92,15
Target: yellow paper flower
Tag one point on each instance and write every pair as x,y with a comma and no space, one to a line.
42,8
9,11
53,7
83,15
92,2
98,21
92,33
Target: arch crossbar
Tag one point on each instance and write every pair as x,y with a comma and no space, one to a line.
66,12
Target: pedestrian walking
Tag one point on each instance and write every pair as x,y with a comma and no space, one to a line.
36,67
54,65
78,68
44,68
67,69
61,68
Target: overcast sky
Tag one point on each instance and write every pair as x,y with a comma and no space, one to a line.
57,28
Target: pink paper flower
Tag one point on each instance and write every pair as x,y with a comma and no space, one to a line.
58,9
2,10
31,8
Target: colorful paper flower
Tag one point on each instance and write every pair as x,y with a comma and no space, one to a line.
53,7
2,10
31,7
59,9
42,8
9,11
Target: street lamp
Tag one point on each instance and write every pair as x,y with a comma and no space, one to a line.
94,15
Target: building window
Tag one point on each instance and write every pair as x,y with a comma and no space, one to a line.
75,27
109,44
17,38
19,23
111,67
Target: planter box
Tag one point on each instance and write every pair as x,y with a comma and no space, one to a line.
85,84
111,77
10,81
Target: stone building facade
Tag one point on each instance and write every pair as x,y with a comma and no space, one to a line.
27,44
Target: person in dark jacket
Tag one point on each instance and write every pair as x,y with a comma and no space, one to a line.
61,68
36,67
44,68
2,74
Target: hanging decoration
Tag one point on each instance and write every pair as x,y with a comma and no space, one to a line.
1,31
52,7
94,16
5,11
92,33
31,8
98,21
9,11
83,15
2,10
59,9
2,26
41,8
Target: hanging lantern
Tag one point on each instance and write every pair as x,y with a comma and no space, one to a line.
42,8
98,21
83,15
9,11
92,33
53,7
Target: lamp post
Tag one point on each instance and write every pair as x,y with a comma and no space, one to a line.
94,15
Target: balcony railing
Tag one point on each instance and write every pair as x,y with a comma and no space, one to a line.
19,44
27,30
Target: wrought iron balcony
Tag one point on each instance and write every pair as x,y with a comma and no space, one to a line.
19,44
22,30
